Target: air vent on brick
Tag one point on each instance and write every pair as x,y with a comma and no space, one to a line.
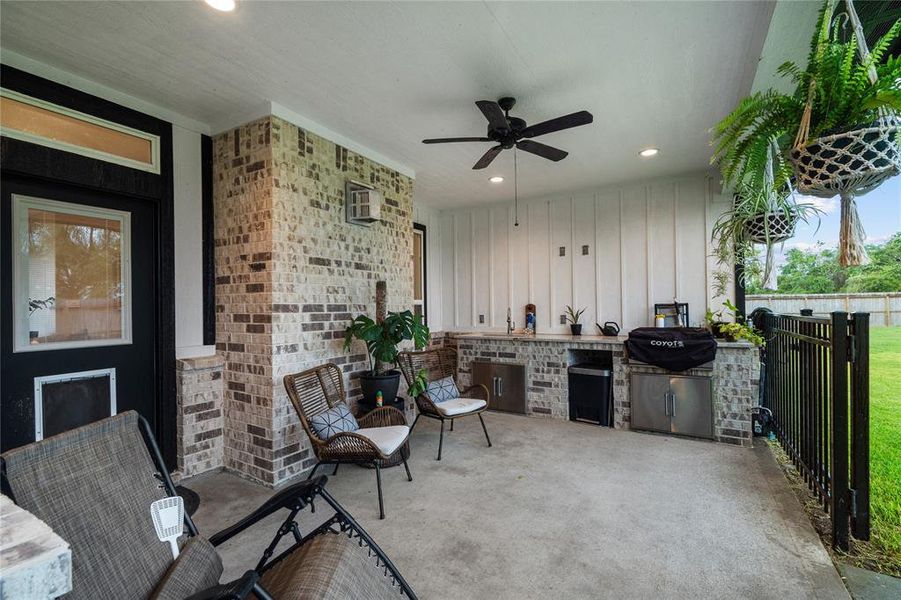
364,204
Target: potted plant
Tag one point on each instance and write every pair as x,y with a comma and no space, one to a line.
757,217
731,331
836,134
382,340
572,316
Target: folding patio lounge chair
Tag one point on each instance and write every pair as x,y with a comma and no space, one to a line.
94,486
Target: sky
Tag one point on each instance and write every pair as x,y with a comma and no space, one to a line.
879,211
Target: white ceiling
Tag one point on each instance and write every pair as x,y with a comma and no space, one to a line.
388,74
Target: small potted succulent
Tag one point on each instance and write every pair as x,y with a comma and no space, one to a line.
382,340
573,316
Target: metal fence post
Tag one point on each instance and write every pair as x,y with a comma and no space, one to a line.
769,365
860,426
839,430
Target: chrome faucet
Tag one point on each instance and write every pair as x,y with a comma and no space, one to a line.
511,325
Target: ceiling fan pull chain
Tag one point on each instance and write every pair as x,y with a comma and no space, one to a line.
515,190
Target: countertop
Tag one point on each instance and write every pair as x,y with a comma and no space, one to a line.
567,339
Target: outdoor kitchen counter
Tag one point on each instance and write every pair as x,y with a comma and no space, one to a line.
546,357
569,339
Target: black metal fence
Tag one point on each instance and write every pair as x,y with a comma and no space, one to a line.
817,387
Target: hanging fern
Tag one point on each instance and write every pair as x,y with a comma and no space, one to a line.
760,132
843,98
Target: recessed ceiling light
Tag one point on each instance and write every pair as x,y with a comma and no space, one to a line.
648,152
496,179
222,5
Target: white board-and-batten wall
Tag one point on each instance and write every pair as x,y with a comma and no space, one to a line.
615,252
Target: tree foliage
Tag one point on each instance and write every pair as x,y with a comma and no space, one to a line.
818,271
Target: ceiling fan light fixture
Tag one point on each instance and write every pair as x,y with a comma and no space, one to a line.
222,5
649,152
496,179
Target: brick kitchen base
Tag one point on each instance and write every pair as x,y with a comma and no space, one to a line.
735,375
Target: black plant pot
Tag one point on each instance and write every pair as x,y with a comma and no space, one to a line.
576,329
387,383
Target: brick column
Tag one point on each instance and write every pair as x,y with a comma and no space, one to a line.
290,275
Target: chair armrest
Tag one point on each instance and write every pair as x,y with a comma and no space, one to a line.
292,496
479,389
384,416
425,404
233,590
348,445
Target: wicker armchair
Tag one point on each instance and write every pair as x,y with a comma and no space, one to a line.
438,364
383,432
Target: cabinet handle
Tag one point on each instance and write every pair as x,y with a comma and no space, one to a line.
494,385
666,404
673,398
500,381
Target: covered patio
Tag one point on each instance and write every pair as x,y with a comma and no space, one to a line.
561,509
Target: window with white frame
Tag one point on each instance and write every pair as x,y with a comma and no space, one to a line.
419,271
72,276
39,122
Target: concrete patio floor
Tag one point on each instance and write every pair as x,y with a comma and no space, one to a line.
565,510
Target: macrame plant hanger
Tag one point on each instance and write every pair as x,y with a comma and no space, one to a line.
848,163
775,225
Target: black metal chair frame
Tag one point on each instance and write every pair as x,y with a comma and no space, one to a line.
293,498
442,419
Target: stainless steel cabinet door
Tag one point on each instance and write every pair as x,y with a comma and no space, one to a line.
691,406
650,402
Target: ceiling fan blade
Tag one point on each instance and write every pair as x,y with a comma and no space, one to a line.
488,157
494,113
583,117
542,150
452,140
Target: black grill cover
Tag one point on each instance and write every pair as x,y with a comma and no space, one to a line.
672,348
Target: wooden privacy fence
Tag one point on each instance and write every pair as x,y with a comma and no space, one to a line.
817,387
884,307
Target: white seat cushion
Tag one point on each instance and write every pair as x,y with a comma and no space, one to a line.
387,439
459,406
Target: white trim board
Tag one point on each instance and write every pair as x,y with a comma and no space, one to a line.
312,126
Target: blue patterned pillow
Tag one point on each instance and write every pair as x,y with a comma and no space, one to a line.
443,389
334,420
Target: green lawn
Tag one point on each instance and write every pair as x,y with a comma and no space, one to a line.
885,441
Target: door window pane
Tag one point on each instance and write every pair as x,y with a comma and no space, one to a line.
72,275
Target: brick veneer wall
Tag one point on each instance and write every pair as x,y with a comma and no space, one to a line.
200,415
290,275
735,379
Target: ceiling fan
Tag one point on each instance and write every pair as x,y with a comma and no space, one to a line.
509,131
